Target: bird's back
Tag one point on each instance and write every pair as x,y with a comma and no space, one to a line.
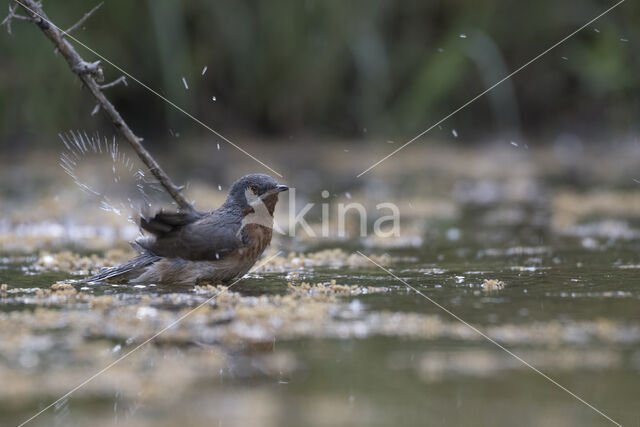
193,236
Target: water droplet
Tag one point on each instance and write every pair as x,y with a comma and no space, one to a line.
454,133
324,194
453,234
624,40
515,144
204,70
220,187
218,144
463,36
565,58
214,99
596,30
184,81
347,195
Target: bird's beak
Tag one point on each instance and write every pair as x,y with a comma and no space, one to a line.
276,190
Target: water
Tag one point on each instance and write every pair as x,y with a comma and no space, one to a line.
570,311
263,353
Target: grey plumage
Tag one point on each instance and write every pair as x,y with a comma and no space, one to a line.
216,246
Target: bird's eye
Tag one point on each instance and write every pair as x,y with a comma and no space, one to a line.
253,188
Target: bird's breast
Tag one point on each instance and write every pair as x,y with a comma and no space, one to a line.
258,238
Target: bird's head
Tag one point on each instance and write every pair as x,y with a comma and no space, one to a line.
254,189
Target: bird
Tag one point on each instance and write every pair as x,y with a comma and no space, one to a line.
194,247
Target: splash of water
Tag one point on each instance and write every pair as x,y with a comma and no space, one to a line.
132,190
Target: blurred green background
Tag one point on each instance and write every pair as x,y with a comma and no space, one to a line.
334,69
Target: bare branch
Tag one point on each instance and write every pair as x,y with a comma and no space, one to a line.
82,20
91,74
121,79
92,68
13,15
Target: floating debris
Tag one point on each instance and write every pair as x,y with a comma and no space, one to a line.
87,264
436,366
213,98
433,270
463,36
515,144
324,258
492,285
332,288
454,133
624,40
204,70
629,266
569,208
78,264
62,286
184,81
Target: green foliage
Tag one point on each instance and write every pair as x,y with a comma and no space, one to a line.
330,67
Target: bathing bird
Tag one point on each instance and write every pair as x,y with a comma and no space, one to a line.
190,247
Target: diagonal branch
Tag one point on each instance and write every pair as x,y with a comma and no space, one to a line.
91,75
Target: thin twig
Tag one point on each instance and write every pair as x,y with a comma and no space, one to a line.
91,74
121,79
82,20
13,15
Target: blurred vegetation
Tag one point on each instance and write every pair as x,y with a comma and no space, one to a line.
332,68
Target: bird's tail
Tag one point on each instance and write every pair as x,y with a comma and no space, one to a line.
127,271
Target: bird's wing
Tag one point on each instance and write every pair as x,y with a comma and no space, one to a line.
192,237
164,222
